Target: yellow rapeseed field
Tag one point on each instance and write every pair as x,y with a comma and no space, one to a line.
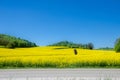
57,57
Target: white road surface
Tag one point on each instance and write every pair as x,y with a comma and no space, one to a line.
59,74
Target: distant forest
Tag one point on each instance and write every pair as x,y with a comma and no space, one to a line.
73,45
13,42
106,48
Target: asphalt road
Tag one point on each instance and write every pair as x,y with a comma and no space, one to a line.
4,73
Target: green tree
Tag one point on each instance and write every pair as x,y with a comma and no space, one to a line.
90,46
117,45
11,42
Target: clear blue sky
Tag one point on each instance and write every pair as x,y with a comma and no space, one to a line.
48,21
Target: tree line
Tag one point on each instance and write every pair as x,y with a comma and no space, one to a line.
73,45
87,46
13,42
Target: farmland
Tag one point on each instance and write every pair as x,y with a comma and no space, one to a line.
57,57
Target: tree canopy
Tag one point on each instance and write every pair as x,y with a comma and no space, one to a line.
117,45
73,45
13,42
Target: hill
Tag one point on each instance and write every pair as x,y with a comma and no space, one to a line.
73,45
13,42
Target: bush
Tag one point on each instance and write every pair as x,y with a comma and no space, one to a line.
117,45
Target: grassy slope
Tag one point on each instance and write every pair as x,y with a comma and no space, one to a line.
57,57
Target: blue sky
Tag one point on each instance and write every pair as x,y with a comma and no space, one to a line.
48,21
